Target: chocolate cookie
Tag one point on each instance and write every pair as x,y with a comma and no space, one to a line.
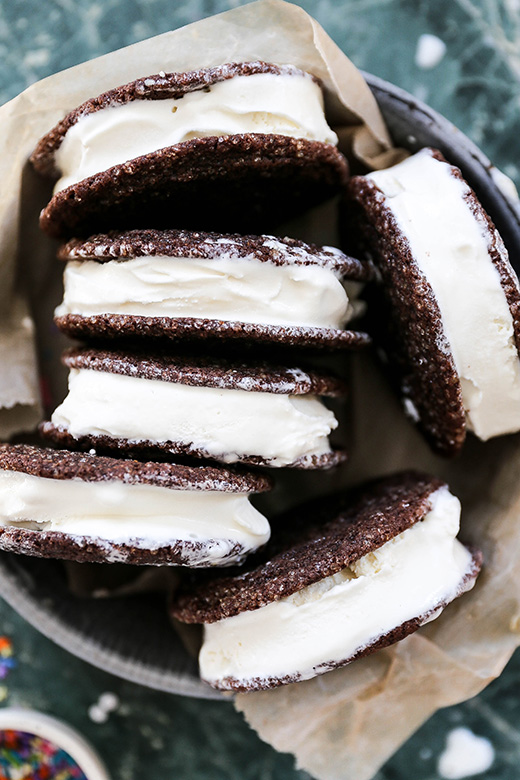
237,146
345,576
180,285
168,406
84,507
452,330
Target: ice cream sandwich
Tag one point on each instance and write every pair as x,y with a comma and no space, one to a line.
347,575
452,294
237,144
84,507
168,406
210,286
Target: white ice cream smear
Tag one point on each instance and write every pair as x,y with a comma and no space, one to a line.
465,755
242,289
227,423
290,105
449,245
147,516
328,622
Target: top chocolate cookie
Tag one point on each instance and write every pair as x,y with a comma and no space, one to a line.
238,144
311,542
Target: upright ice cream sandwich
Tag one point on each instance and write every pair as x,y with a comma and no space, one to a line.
169,406
453,298
236,144
345,576
83,507
210,286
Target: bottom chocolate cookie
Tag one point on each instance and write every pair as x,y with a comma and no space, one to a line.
382,563
83,507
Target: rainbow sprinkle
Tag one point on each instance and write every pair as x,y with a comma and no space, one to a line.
25,756
7,662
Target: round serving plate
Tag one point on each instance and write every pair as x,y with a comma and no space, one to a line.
131,636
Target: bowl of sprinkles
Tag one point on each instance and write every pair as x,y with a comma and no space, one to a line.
34,746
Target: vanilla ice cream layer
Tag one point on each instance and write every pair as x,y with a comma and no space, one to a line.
450,248
145,516
225,423
324,624
242,289
290,105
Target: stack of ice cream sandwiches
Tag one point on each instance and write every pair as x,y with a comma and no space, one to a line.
166,191
155,302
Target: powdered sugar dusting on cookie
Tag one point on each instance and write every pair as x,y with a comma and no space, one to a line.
182,243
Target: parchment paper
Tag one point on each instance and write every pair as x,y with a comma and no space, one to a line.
345,723
19,395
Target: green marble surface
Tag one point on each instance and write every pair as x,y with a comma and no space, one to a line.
156,735
477,86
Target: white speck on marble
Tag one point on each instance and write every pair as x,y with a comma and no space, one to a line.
465,755
96,714
108,701
429,52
